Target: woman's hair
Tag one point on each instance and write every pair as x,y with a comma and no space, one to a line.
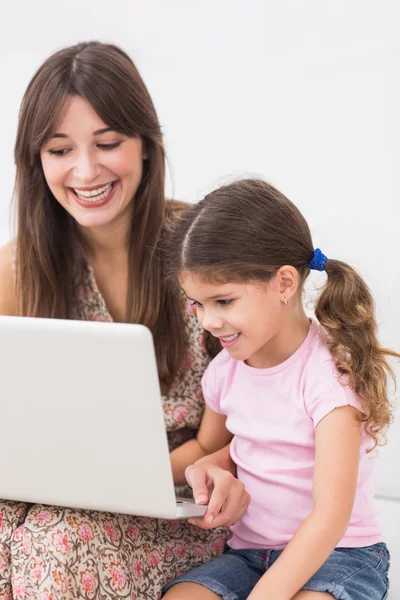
49,248
246,231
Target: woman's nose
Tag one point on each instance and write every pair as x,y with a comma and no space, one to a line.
87,167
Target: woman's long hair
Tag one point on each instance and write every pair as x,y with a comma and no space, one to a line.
49,249
245,232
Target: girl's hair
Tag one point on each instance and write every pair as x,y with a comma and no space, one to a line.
246,231
49,249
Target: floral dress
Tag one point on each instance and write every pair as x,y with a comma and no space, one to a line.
54,553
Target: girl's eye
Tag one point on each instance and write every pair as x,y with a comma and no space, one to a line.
196,304
59,151
109,146
225,302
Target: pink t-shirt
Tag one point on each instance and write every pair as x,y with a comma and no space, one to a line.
273,414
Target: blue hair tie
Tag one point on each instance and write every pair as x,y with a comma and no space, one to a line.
318,261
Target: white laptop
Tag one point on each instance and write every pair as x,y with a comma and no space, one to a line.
82,418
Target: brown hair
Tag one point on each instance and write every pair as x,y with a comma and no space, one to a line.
48,244
245,232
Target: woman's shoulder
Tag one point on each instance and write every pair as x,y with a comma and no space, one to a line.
7,279
6,252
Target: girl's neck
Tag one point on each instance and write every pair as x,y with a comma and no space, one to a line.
290,337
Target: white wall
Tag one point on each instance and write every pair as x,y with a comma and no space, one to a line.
305,94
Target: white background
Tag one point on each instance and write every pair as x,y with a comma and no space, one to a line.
305,94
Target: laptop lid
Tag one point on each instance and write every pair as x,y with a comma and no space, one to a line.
82,417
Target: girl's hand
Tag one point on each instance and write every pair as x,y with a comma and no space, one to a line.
226,495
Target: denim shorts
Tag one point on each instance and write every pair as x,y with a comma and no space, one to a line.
348,574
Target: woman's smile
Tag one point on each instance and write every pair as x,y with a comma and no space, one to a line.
94,197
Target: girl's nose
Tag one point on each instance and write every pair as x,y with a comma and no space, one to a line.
211,321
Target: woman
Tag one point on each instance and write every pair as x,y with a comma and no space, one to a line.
91,212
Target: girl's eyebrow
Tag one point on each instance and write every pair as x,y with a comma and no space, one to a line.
219,296
188,297
216,297
98,132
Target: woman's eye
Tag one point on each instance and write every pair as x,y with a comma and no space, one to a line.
225,302
109,146
59,151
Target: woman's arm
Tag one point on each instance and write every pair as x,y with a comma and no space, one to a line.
334,487
7,283
212,436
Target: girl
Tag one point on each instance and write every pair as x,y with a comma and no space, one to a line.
306,402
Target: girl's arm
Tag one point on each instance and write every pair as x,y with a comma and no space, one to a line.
213,479
212,436
334,487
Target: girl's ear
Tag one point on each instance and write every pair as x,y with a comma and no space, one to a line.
286,282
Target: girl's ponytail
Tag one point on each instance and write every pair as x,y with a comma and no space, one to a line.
346,310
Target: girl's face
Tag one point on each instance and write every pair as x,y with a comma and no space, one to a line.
246,318
91,170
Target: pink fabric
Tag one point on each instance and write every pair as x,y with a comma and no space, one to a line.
273,414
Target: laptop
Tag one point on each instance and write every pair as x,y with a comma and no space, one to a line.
82,419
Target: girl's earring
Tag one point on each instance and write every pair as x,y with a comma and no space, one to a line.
285,300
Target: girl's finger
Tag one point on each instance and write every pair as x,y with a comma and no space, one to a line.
196,477
218,497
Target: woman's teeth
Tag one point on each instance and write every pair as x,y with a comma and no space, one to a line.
94,195
230,338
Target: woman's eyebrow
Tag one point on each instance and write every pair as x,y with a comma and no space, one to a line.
98,132
104,130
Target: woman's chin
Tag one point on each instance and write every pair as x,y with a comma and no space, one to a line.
93,221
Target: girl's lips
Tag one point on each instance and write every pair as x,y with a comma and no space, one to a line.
229,340
90,203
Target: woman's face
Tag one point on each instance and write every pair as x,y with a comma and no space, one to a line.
91,170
